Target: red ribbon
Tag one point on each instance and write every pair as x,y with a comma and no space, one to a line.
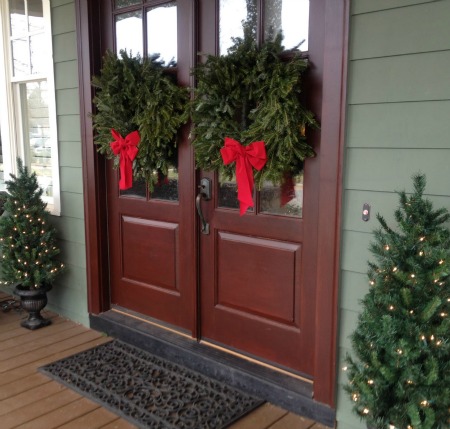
126,148
245,156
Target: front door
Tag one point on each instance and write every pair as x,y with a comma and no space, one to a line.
247,286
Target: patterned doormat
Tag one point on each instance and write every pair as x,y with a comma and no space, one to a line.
149,391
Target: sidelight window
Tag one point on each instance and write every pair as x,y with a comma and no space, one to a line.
28,110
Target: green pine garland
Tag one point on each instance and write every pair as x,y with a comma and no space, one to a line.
401,372
27,239
251,94
137,94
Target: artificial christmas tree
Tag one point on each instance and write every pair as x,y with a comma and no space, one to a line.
28,244
401,372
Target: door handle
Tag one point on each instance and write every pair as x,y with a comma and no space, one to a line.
205,193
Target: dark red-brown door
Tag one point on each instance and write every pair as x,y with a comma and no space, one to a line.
248,285
257,289
152,245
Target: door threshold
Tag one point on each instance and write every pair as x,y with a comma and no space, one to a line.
256,361
279,387
166,327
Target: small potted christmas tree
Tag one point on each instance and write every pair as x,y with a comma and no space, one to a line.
28,245
400,375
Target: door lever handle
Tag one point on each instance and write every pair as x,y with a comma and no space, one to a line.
205,193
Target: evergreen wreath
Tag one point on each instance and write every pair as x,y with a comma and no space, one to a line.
252,94
135,93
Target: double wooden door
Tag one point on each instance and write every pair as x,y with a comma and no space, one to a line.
247,285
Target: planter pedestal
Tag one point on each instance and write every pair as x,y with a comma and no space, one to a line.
33,301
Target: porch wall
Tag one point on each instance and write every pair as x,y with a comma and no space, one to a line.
69,295
398,124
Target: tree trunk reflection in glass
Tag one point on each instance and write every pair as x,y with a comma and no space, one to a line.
289,16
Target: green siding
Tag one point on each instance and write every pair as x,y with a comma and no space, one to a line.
397,166
407,38
63,18
398,110
66,75
400,79
69,128
64,47
70,229
399,125
69,294
67,101
73,204
70,154
364,6
71,179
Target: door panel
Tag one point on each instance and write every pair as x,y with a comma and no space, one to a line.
257,276
151,235
150,253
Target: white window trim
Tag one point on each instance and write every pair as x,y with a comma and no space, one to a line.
11,131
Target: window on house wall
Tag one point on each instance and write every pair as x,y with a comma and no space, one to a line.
28,111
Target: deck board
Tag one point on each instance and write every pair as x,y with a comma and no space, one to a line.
31,400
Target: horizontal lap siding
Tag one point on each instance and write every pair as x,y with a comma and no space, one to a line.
398,124
69,295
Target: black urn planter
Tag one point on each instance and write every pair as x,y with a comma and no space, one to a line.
33,301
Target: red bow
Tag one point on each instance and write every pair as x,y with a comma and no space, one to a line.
127,150
245,156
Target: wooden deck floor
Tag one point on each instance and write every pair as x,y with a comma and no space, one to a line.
30,400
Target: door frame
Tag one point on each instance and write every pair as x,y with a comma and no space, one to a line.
327,99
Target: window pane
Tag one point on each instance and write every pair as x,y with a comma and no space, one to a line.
125,3
17,17
36,132
138,190
35,16
129,33
39,54
21,57
289,16
232,14
285,199
162,32
167,186
227,195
